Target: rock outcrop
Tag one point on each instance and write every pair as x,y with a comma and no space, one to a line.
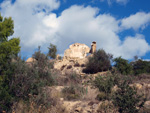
30,60
74,58
77,50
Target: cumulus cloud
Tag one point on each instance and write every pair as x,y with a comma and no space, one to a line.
75,24
136,21
132,46
28,19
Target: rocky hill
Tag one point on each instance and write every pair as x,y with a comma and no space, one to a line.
77,92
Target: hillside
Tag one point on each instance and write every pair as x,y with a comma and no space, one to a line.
75,91
75,83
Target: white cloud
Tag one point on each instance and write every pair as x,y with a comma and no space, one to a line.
134,46
123,2
28,19
75,24
136,21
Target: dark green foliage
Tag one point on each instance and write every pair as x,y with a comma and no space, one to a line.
123,66
99,62
104,83
140,67
6,28
9,49
126,99
52,51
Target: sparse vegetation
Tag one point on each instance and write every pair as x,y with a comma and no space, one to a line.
73,92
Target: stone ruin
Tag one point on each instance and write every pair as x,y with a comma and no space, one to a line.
75,58
78,50
93,47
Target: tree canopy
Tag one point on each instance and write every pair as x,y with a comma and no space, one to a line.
6,28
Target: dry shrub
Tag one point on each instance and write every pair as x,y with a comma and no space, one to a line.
143,78
107,107
44,102
73,92
72,78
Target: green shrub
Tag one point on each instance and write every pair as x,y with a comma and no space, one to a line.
123,66
126,99
104,83
99,62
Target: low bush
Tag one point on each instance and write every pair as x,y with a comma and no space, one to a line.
104,83
73,79
126,99
107,107
44,102
73,92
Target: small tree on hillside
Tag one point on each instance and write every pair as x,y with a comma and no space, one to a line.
99,62
140,66
52,51
123,66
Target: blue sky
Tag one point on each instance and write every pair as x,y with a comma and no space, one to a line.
120,27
